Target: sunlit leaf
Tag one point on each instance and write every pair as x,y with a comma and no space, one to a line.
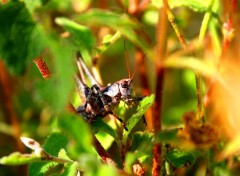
196,5
70,170
81,35
142,108
52,145
19,159
205,68
232,147
116,21
32,5
105,170
41,168
108,40
100,125
222,170
63,154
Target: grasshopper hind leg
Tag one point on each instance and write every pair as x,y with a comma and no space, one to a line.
120,120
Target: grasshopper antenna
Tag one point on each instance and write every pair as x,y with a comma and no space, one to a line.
125,50
134,72
126,58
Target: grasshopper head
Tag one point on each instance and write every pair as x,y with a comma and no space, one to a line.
125,88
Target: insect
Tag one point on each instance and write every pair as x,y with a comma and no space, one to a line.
99,100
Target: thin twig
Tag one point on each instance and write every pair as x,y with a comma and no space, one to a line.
7,95
183,42
105,156
172,20
157,107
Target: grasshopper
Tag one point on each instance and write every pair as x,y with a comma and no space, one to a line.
99,100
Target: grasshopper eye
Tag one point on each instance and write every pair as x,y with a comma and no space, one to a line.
124,84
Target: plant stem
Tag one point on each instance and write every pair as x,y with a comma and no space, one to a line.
202,33
157,107
102,152
171,19
7,85
7,93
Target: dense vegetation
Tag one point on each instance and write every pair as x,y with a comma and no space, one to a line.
184,56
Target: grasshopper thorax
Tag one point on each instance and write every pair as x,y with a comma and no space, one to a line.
121,89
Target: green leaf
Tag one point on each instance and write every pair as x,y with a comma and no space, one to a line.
222,170
81,35
63,154
141,109
32,5
196,5
17,158
107,18
21,40
104,170
62,84
53,144
100,125
40,168
105,139
55,92
89,162
70,170
204,68
131,158
167,136
54,169
78,130
117,22
105,133
142,141
213,6
180,158
108,40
